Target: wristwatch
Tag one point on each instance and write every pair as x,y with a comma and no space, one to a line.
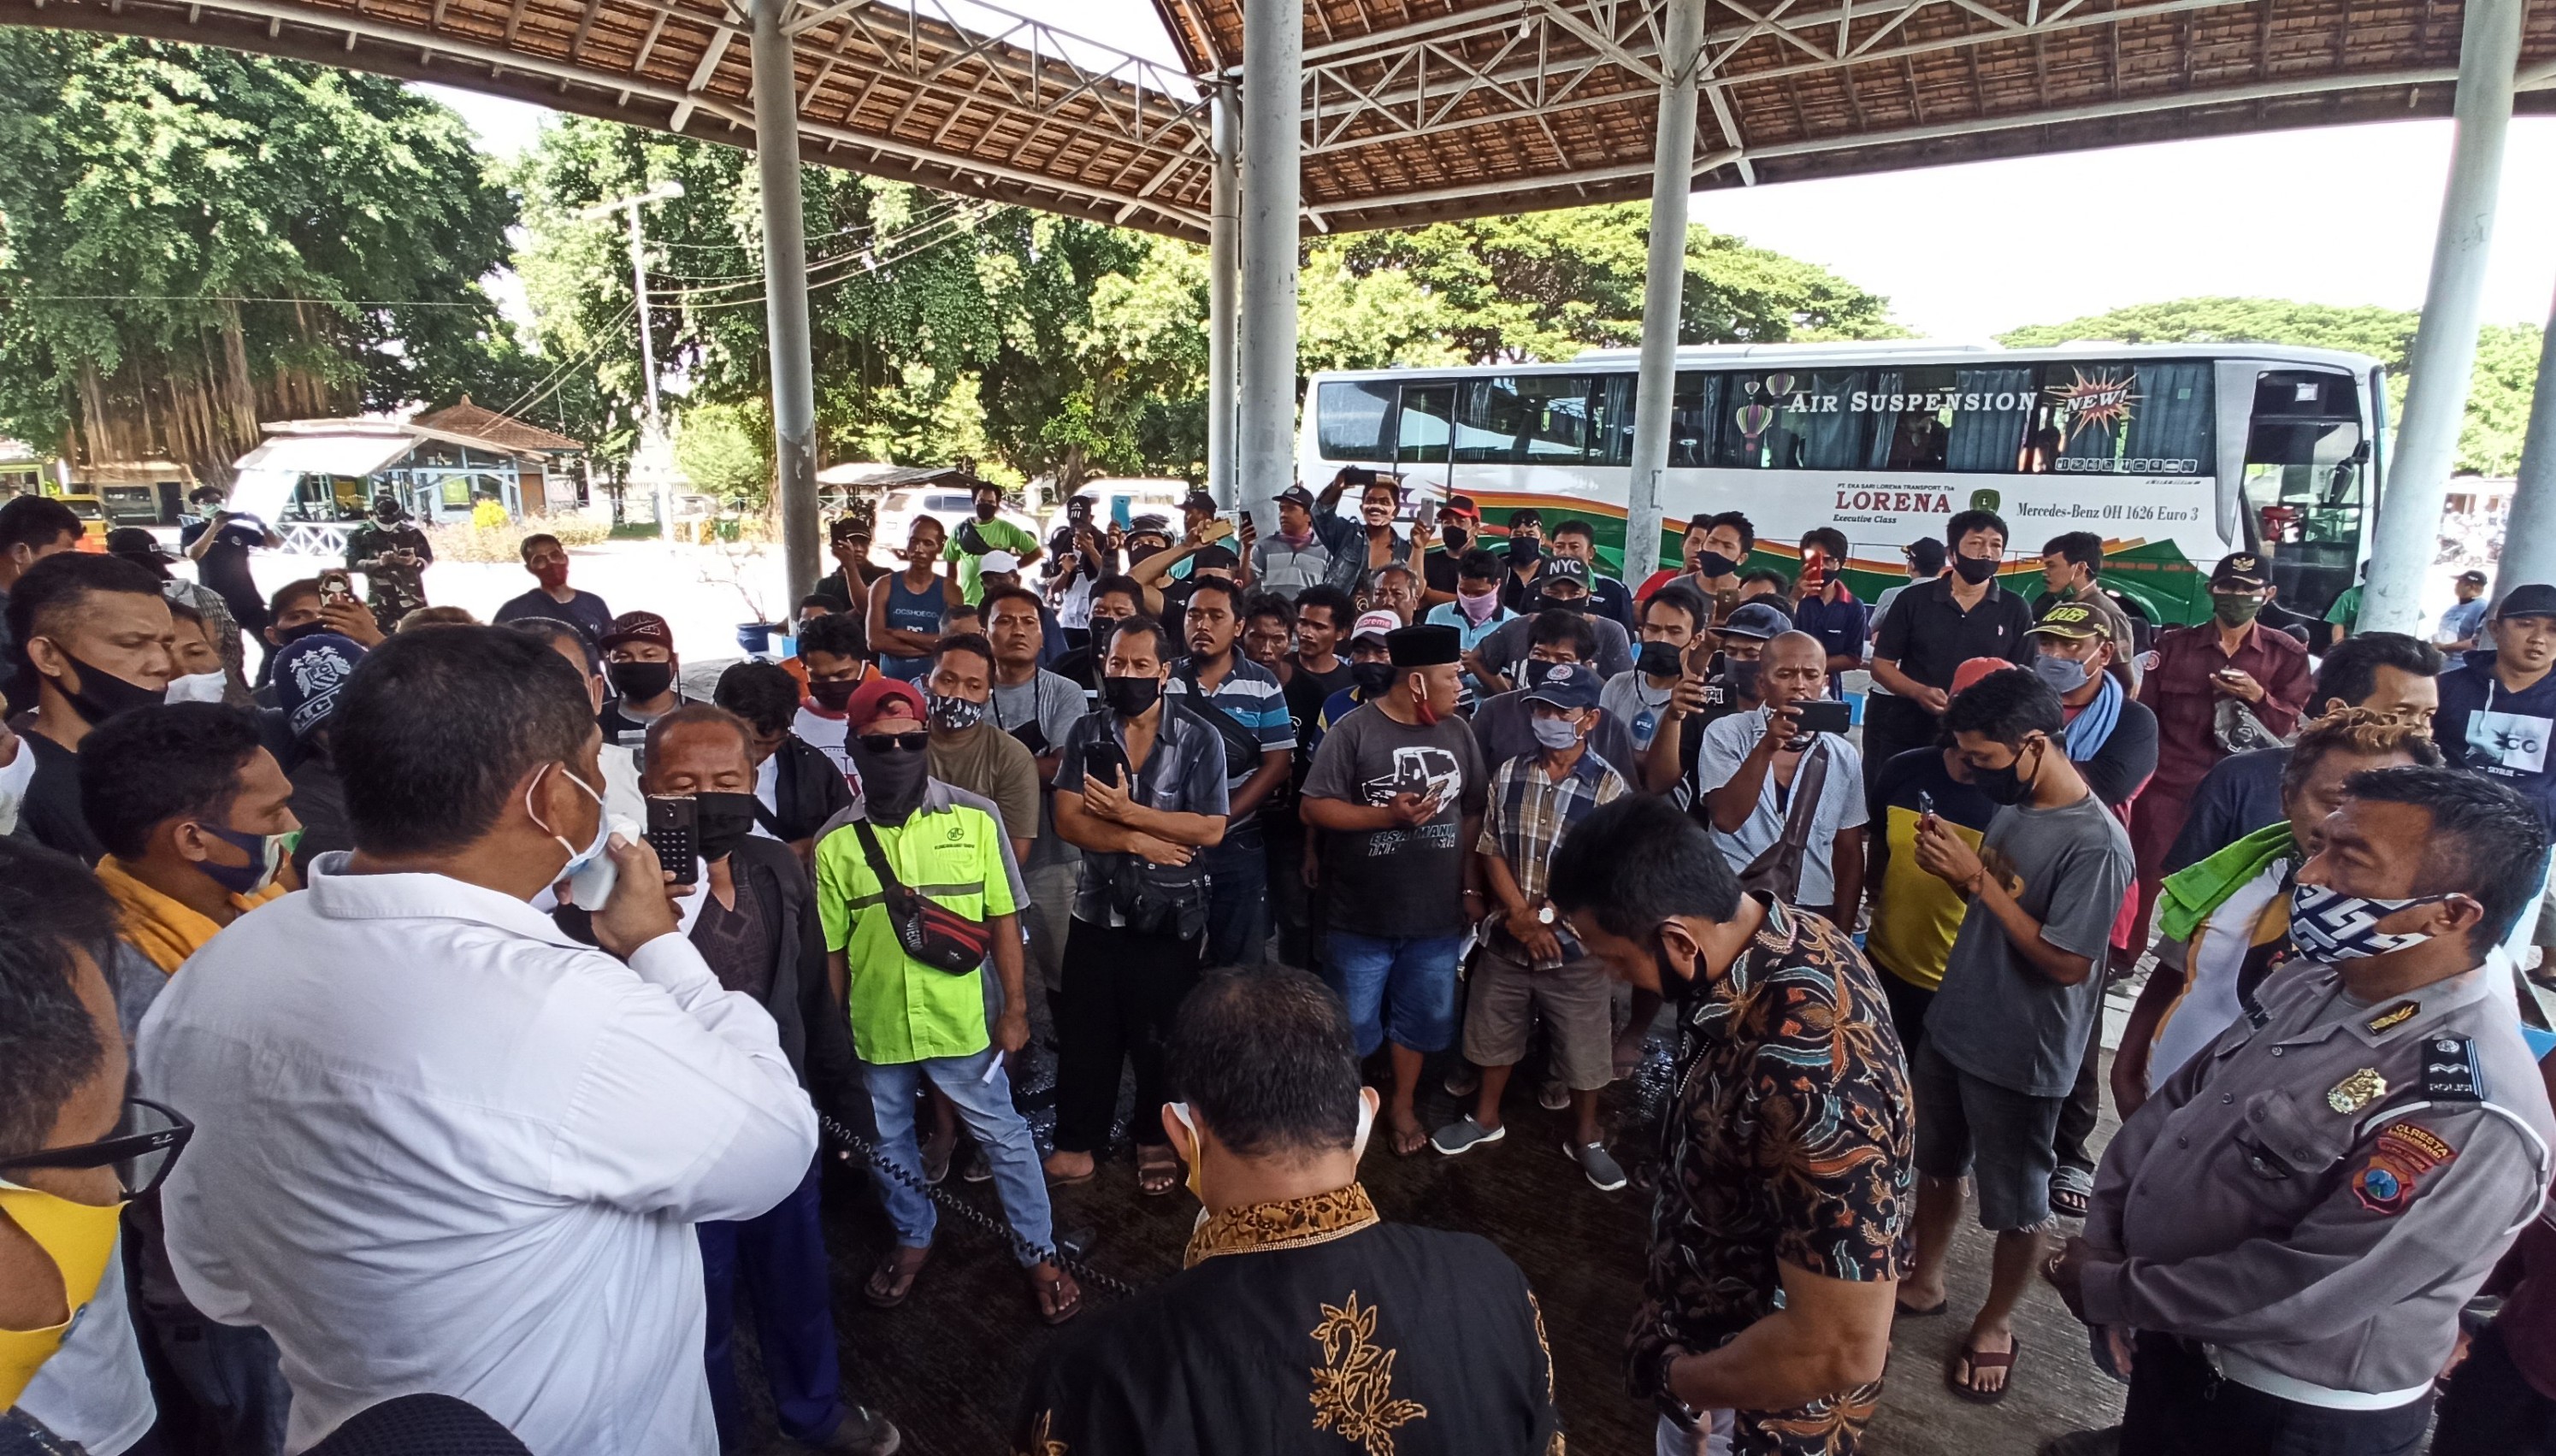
1543,915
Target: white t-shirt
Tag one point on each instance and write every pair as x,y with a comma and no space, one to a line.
2209,1005
1725,741
830,736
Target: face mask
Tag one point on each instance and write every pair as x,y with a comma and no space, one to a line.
2063,674
1742,677
1974,569
388,515
103,694
892,782
2330,925
984,513
1552,603
287,634
1478,609
953,713
1454,537
1710,565
640,681
197,687
267,856
591,892
1372,679
833,694
1660,660
1197,1145
2233,610
2007,785
1556,734
722,822
78,1238
1129,697
1524,551
552,577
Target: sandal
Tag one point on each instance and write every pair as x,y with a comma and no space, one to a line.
1407,1141
1059,1297
2072,1192
1970,1362
893,1280
1158,1170
1911,1312
1064,1180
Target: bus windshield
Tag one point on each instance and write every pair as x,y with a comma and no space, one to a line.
2305,458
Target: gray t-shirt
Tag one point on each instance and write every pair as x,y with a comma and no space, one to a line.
1398,881
1041,713
1998,1017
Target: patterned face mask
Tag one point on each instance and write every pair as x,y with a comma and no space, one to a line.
2329,925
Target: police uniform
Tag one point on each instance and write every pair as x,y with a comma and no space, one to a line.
2293,1221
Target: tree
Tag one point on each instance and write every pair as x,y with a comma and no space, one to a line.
2499,392
198,239
726,451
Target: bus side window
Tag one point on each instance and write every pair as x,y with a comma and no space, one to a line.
2306,460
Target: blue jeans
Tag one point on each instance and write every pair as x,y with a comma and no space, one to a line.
780,1256
985,1104
1401,987
1237,898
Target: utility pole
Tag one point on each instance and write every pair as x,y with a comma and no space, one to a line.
652,426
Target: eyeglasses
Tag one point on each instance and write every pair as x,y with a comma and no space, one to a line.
888,741
144,1146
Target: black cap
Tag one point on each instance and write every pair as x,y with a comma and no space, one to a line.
2473,577
1564,568
2243,570
1199,500
1426,646
136,544
2533,599
1297,495
1215,558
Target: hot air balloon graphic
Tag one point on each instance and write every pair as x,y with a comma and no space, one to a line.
1753,420
1780,386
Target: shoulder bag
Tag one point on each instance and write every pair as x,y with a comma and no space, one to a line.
931,933
1777,869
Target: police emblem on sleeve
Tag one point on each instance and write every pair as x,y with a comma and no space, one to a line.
2404,1155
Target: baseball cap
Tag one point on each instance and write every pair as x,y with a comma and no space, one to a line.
872,698
1566,569
1215,559
136,544
847,526
2471,576
2074,620
1000,561
1974,670
1378,625
2241,570
1567,685
639,627
310,674
1297,495
1197,500
2535,599
1755,621
1460,506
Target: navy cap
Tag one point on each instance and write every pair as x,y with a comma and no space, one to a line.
2534,599
1757,621
310,672
1567,685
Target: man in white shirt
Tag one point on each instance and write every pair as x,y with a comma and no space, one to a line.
441,1146
1758,763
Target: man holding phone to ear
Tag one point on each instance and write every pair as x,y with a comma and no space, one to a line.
1759,765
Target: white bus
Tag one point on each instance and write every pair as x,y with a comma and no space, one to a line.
2174,455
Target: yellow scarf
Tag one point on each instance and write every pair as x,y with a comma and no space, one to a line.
161,927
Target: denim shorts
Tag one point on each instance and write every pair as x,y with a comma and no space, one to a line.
1968,1125
1401,987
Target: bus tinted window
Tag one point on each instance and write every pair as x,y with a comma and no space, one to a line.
1792,420
1423,423
1939,417
2122,419
1353,419
1692,413
1528,420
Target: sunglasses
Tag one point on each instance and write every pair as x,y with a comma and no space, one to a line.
141,1153
888,741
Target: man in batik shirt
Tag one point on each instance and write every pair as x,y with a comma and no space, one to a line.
1785,1157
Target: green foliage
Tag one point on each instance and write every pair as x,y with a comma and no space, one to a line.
2499,392
156,195
726,451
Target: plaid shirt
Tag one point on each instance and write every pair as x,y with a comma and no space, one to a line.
1529,813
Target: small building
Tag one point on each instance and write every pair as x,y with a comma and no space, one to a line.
314,478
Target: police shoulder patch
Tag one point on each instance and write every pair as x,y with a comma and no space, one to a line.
2403,1156
2450,1070
2394,1016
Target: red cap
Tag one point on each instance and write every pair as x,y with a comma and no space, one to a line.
1976,668
639,627
874,697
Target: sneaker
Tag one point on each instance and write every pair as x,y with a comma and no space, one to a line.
1464,1134
1464,1081
1555,1097
1604,1173
864,1433
978,1168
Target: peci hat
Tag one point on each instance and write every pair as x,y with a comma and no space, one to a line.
639,627
310,674
1376,624
1567,685
1755,621
1974,670
2243,571
1429,644
2534,599
2073,619
871,698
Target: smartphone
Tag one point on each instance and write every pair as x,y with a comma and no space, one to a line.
670,833
1247,523
1216,529
336,586
1925,805
1815,572
1106,762
1827,715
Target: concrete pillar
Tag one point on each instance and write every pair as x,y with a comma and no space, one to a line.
785,295
1663,282
2529,535
2427,439
1224,266
1273,57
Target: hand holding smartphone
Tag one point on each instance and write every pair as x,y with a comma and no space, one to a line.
671,821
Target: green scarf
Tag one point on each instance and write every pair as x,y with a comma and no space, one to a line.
2188,896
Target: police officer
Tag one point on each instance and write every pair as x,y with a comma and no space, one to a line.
2293,1221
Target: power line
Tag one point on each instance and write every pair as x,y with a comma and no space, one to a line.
247,298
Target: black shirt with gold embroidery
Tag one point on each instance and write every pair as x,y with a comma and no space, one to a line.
1307,1326
1787,1143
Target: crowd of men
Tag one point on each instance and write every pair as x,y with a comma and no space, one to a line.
436,1029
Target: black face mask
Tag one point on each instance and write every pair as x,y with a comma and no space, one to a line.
103,694
984,512
1710,565
1525,551
1372,679
1974,569
640,681
1454,537
285,635
721,821
833,694
1129,697
1660,660
891,782
1548,602
2008,785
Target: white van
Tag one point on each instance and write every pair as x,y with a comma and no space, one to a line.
1123,498
944,503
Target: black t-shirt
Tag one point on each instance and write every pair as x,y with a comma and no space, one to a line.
583,610
1929,636
1719,703
224,565
1438,568
2128,758
1306,694
52,811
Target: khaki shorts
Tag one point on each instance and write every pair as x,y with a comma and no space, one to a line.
1577,1001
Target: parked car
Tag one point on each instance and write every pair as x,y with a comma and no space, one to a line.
1124,499
899,508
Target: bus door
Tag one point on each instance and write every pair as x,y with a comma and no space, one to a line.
1425,428
2305,486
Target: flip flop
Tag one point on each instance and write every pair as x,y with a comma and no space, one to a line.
1980,1360
1059,1297
898,1271
1062,1180
1158,1172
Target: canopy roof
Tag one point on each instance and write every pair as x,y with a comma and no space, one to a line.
1414,109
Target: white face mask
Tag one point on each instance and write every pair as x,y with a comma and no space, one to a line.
197,687
589,871
1358,1140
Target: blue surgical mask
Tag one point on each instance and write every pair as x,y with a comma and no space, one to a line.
2063,674
1555,733
267,856
578,860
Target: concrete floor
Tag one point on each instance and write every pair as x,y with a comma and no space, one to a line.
947,1366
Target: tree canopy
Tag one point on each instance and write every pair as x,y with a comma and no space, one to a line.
197,239
2507,359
